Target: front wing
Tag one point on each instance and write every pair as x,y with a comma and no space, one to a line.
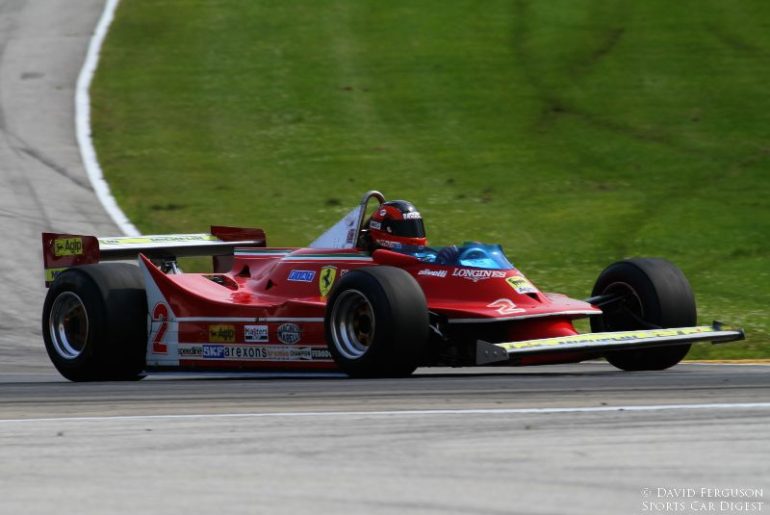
610,341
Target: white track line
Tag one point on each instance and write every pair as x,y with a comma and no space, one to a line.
407,413
83,124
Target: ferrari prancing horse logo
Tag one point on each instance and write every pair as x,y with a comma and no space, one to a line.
326,279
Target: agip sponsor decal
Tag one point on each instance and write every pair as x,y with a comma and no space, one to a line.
222,333
67,247
289,333
326,279
521,284
478,274
302,276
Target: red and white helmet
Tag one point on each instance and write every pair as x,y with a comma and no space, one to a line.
395,224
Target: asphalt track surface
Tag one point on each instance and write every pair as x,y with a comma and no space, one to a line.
558,439
43,186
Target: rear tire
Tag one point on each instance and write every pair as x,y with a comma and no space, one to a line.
377,323
95,323
656,294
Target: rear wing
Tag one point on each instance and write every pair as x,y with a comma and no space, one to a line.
62,251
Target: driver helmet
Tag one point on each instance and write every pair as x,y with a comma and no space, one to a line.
396,224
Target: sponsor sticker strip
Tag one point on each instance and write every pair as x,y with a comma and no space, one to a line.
621,338
213,351
158,239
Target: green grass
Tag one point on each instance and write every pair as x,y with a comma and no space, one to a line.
574,133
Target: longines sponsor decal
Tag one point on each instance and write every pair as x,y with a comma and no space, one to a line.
289,333
475,274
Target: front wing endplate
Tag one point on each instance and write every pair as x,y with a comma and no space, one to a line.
626,340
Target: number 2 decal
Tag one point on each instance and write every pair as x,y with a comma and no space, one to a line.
160,313
505,307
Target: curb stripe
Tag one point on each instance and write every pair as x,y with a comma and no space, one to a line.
83,124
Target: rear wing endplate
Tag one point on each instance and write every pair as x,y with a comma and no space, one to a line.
609,341
62,251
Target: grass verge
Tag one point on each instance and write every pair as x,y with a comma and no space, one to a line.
574,133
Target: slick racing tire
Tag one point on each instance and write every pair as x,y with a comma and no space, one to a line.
377,323
654,293
95,323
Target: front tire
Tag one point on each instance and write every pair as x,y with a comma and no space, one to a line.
654,293
95,323
377,323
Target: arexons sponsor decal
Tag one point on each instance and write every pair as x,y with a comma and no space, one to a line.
414,215
477,274
289,333
302,276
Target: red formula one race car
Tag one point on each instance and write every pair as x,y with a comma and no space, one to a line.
368,297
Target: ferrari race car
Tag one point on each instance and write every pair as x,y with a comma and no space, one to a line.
338,305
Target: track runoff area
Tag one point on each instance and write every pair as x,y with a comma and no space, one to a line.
554,439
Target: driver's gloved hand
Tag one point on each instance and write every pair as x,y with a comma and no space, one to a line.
447,255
